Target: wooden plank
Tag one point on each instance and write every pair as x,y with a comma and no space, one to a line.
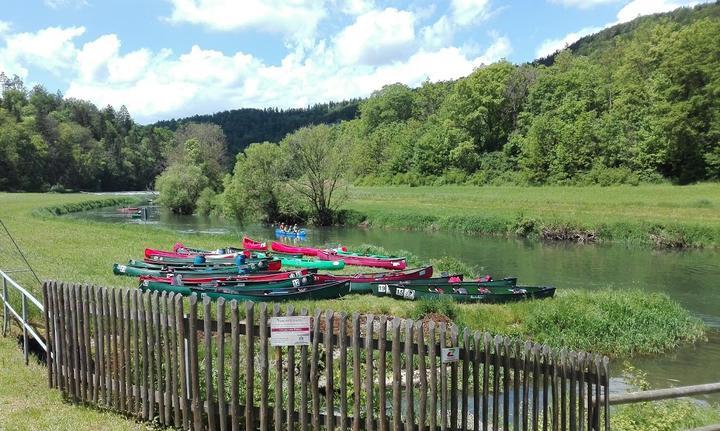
208,364
135,339
563,389
598,384
166,361
183,366
290,419
506,383
443,382
80,340
150,357
527,363
496,381
278,395
409,372
382,374
264,365
234,366
129,407
74,344
581,390
303,382
369,365
250,366
516,385
59,325
56,349
589,393
432,355
536,386
396,374
158,349
477,358
545,353
486,382
197,410
329,386
87,347
342,335
554,385
422,414
356,370
123,349
142,321
220,320
115,363
465,380
48,333
606,391
572,369
315,372
454,382
67,336
174,362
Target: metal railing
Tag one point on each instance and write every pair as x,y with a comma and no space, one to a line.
26,299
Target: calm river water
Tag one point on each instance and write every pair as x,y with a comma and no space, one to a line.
690,277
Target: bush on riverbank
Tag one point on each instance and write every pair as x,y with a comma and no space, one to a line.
74,207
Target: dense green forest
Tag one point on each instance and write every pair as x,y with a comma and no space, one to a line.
243,127
48,142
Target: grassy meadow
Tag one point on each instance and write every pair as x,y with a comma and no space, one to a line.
617,323
659,215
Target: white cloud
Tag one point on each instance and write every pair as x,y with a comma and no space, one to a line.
377,37
638,8
296,19
499,49
583,4
57,4
355,7
466,12
4,27
439,34
51,48
549,46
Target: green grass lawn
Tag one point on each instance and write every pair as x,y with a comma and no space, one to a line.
619,213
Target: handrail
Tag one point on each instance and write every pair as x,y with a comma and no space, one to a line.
663,394
22,316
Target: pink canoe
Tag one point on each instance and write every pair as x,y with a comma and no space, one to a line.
291,249
261,277
150,252
391,263
251,244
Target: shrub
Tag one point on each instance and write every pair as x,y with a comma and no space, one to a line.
209,203
442,305
179,187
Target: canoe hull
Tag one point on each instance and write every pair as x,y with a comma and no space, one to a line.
491,295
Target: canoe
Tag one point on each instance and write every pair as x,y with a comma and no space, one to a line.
280,232
270,264
251,244
360,283
344,252
448,281
475,294
254,277
393,263
291,249
223,271
240,285
185,253
295,262
315,292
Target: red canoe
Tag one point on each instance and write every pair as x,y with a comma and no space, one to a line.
251,244
259,277
391,263
291,249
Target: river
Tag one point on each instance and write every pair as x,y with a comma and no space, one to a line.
692,277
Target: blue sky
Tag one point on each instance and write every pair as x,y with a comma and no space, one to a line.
171,58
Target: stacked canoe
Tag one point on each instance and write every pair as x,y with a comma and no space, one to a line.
258,272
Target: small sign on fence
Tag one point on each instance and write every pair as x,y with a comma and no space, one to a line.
450,354
290,331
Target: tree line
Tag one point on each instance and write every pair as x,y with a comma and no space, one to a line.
640,105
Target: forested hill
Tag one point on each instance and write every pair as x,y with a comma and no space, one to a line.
605,39
245,126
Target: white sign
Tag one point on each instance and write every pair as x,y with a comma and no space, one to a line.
450,354
290,331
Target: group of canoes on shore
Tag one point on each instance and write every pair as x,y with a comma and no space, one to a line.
280,272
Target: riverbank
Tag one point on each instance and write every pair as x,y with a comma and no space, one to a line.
615,322
663,216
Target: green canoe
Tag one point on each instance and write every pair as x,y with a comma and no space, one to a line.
237,286
314,292
297,261
469,294
444,281
133,271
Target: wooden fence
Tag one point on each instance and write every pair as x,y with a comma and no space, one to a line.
192,363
